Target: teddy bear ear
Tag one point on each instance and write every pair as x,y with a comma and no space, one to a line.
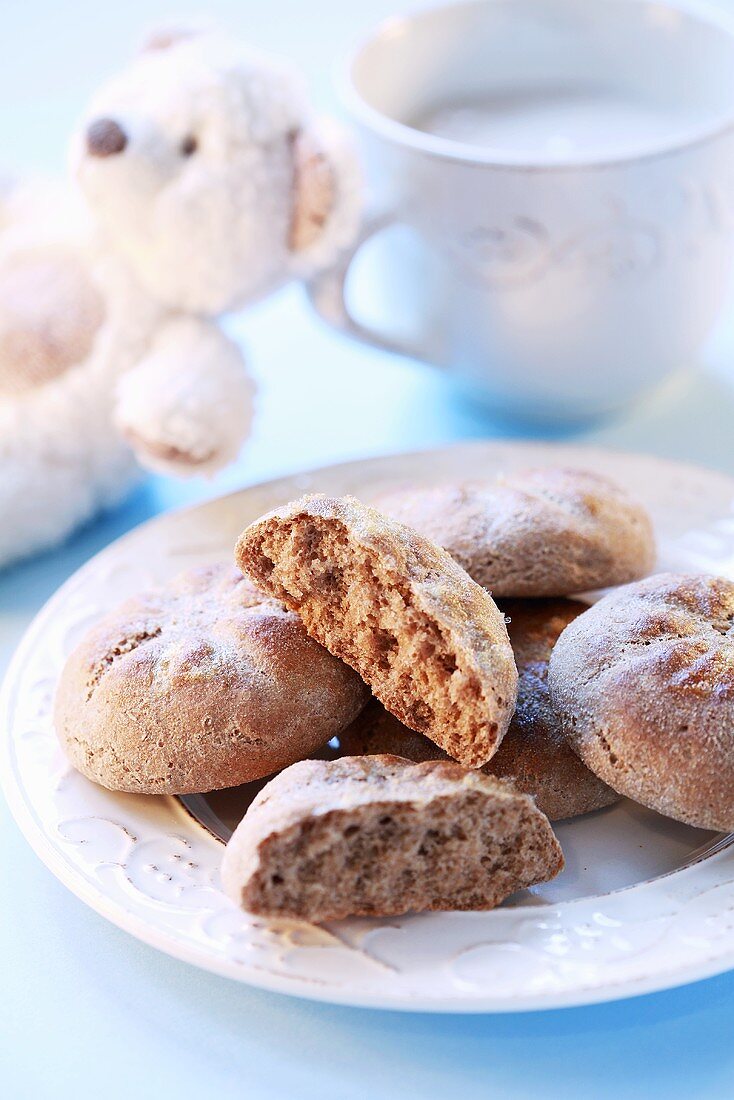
170,34
314,189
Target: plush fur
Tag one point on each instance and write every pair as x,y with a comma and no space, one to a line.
205,184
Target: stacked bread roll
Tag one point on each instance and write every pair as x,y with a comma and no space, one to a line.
375,628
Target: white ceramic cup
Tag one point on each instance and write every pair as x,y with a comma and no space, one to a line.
583,255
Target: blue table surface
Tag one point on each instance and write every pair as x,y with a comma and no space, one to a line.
87,1010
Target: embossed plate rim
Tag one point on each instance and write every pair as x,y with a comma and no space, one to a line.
714,873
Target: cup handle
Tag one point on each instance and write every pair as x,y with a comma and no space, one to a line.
326,292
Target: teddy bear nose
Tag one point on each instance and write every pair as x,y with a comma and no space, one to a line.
105,137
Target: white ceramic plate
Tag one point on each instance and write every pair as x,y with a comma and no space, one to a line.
644,903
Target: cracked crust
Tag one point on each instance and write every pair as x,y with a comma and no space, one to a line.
645,683
429,641
203,684
379,835
534,754
540,532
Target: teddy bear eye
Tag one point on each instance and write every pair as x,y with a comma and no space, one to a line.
189,145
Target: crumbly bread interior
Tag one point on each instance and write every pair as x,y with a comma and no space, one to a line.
365,613
463,847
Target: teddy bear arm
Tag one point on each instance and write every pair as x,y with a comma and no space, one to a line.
186,407
50,313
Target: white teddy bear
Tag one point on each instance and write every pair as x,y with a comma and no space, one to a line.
207,184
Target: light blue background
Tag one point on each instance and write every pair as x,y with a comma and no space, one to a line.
85,1010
